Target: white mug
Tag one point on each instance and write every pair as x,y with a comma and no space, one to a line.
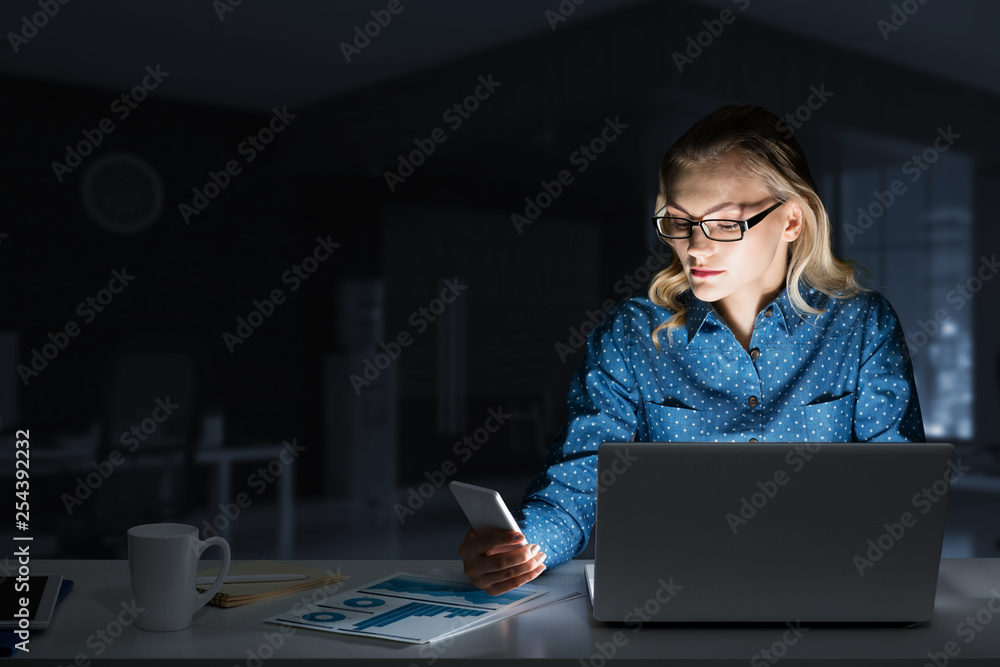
163,567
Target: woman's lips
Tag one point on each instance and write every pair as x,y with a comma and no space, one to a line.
704,273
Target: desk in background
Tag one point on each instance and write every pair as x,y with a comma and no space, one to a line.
79,459
223,459
563,634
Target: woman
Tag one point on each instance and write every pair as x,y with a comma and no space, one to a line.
755,332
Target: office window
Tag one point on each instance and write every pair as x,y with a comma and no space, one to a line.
906,212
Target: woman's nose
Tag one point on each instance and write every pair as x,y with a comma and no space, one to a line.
699,244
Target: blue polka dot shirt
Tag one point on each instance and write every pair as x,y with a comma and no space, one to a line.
841,376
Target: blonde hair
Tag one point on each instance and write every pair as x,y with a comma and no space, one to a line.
766,151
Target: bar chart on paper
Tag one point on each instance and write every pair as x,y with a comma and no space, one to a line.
415,609
451,592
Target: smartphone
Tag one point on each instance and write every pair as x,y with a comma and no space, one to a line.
485,510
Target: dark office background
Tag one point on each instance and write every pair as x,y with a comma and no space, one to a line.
870,86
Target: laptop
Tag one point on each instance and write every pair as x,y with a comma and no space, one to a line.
769,532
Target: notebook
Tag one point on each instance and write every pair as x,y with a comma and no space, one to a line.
237,595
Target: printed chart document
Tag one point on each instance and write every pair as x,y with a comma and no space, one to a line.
414,608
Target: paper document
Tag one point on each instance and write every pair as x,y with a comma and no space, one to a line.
407,607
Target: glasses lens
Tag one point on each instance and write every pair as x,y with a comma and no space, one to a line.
674,227
724,230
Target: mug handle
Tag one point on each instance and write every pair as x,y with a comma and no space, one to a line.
202,599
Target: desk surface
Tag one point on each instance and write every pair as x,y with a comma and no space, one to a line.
87,627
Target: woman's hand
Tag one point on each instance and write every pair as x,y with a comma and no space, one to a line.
496,562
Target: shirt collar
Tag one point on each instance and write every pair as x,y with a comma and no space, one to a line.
699,312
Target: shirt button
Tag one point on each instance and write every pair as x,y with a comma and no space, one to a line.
753,439
754,353
752,402
767,313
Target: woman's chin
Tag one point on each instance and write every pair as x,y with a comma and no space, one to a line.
707,293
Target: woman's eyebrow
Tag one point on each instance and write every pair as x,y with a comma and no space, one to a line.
717,207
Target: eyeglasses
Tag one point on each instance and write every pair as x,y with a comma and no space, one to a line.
670,227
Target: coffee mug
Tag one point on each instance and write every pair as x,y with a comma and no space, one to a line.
163,567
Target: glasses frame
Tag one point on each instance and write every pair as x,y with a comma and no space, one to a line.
745,225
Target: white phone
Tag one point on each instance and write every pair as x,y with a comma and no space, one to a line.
485,510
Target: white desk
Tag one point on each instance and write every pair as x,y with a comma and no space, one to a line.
564,634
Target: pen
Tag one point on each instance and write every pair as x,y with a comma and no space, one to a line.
252,578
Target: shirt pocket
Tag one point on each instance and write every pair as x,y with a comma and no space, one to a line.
667,423
829,421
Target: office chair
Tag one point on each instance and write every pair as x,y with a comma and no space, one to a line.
152,418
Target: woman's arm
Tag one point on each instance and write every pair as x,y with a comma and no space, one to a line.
887,407
559,506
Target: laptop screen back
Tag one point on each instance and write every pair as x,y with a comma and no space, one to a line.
840,532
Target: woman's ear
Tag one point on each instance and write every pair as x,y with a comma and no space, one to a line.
794,222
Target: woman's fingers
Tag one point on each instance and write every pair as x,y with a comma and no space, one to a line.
478,545
494,566
497,562
505,570
505,585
